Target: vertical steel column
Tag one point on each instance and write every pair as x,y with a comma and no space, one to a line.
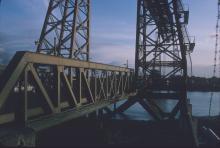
184,107
138,37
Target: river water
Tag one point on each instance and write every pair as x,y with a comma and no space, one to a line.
200,106
76,130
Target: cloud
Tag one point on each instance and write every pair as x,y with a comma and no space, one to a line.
128,36
202,71
21,26
4,37
46,3
114,54
35,4
15,42
113,43
2,50
213,35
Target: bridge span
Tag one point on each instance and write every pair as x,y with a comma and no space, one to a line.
59,83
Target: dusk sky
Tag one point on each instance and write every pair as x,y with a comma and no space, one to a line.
112,33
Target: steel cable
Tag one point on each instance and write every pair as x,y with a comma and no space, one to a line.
215,59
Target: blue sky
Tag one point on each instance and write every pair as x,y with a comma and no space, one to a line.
113,29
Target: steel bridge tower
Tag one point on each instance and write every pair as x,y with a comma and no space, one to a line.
66,30
162,46
65,34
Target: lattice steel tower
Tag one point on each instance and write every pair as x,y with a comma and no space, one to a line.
66,30
162,46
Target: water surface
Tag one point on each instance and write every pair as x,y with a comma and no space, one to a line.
200,106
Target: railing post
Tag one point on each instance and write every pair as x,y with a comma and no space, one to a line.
122,82
107,95
21,101
59,69
79,84
25,99
95,85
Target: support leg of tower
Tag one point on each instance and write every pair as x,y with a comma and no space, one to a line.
126,105
150,109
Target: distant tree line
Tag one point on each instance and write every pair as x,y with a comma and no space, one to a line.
203,84
174,83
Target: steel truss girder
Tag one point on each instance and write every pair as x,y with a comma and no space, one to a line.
66,30
55,91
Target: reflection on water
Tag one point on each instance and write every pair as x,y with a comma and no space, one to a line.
199,101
